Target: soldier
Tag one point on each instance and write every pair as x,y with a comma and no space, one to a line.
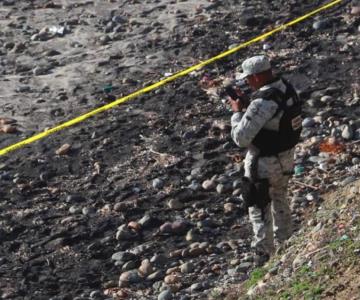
269,127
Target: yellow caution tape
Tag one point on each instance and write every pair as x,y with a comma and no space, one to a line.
152,87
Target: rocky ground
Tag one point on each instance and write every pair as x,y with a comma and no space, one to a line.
320,261
141,202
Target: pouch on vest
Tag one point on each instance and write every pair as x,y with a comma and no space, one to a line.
256,193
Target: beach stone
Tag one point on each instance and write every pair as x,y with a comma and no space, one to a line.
196,287
124,234
158,275
208,184
123,256
166,227
196,172
175,204
236,184
223,188
194,186
74,198
243,267
179,227
146,221
355,10
229,208
192,235
96,295
327,99
347,132
146,268
308,122
159,259
157,183
321,24
74,209
129,265
88,210
172,279
130,277
63,150
165,295
187,267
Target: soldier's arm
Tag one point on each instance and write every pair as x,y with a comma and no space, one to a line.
245,126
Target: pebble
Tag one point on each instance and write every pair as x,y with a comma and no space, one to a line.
194,186
321,24
355,10
172,279
165,295
175,204
123,256
129,277
308,122
208,184
347,132
187,267
327,99
63,150
195,287
223,188
159,260
74,198
146,268
157,183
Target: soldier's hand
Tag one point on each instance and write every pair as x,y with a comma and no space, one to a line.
236,105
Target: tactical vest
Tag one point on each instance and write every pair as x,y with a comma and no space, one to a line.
271,142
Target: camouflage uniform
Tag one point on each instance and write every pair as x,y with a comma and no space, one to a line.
277,217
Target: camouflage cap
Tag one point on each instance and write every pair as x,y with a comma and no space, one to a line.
255,65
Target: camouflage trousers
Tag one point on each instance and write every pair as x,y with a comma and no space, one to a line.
277,218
